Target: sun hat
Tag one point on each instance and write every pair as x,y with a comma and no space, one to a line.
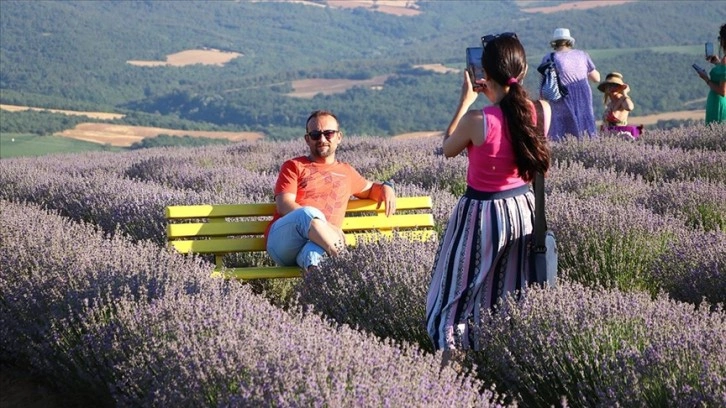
613,82
562,34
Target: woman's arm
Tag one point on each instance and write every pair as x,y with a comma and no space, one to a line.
594,75
458,134
718,87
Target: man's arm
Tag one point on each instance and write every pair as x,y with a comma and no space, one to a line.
286,203
381,193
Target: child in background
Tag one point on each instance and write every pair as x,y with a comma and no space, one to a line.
618,106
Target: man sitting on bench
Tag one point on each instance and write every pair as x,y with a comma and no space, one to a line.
311,195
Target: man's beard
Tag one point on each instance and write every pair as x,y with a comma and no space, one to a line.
323,151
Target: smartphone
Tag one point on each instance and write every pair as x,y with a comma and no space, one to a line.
699,69
709,49
473,64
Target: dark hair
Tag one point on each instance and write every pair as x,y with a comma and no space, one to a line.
561,43
319,113
504,58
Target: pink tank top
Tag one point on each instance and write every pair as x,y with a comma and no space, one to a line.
491,166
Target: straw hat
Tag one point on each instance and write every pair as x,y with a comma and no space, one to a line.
613,82
562,34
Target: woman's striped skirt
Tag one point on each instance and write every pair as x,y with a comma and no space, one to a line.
483,255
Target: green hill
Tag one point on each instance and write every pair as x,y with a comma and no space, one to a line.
74,55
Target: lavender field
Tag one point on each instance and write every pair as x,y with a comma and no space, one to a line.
94,303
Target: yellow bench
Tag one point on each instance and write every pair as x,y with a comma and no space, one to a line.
238,228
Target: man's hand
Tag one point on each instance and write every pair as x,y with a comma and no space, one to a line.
387,196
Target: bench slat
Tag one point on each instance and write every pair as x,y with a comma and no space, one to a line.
260,272
385,223
226,245
262,209
221,229
218,229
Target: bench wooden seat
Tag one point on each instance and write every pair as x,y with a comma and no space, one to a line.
238,228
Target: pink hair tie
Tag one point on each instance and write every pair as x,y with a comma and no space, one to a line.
512,81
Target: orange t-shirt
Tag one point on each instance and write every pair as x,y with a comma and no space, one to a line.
327,187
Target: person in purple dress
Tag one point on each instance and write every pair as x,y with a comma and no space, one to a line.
573,114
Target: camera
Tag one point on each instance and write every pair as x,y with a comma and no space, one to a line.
709,49
473,65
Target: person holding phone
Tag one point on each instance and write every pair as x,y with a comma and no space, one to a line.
716,81
311,196
482,255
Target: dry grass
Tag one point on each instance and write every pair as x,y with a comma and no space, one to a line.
417,135
680,115
125,136
191,57
395,7
93,115
308,88
576,5
438,68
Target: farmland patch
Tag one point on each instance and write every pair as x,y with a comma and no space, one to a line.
207,56
308,88
395,7
125,136
92,115
575,5
438,68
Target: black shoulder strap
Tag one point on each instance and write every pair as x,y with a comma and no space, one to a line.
540,223
540,117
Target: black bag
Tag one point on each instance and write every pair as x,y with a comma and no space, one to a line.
543,258
551,88
544,248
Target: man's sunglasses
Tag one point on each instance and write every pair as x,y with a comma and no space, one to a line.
317,134
491,37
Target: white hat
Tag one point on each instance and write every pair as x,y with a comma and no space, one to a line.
562,34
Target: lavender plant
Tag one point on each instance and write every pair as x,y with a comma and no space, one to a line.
607,185
698,136
379,287
699,203
693,269
653,163
608,245
597,347
134,325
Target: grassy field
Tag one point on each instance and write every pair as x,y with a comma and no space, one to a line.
16,145
695,50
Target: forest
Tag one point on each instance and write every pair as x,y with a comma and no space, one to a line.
48,63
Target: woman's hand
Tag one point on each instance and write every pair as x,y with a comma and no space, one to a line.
712,59
468,94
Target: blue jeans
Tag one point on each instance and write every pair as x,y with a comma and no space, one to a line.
288,243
